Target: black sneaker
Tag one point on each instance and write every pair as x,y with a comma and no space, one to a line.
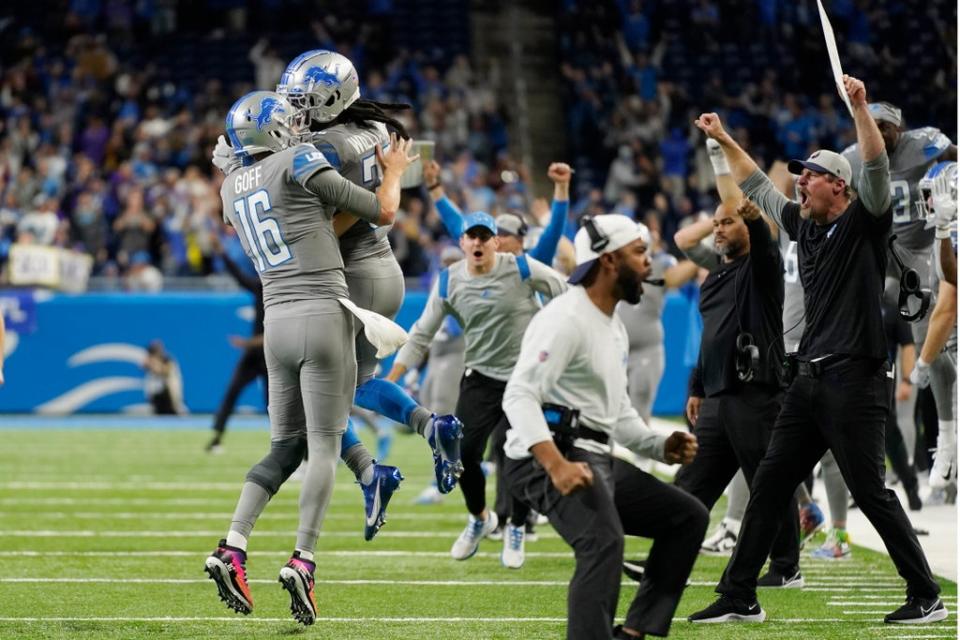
918,611
730,610
773,580
634,569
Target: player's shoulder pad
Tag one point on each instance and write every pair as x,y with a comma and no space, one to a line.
307,160
327,145
929,141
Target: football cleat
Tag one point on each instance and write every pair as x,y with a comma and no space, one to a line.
836,547
227,568
512,556
811,521
297,578
376,496
722,542
444,440
469,540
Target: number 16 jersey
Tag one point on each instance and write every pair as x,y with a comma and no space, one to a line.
283,227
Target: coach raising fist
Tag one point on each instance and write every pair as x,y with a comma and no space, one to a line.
838,399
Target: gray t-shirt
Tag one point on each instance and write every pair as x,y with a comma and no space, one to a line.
350,149
643,320
284,228
494,310
916,151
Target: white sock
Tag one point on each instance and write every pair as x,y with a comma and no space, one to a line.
948,432
237,540
305,555
366,476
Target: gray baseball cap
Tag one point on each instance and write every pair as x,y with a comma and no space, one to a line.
823,161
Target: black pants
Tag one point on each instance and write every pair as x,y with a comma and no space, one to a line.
733,432
480,409
844,409
251,365
622,500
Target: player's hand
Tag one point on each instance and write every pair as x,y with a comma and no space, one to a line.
395,159
856,91
943,200
237,342
748,210
680,448
903,391
710,124
224,158
569,477
920,376
693,409
431,173
560,172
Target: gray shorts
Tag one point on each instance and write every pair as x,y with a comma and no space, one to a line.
311,368
644,371
376,284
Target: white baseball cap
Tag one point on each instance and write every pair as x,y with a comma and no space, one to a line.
823,161
609,232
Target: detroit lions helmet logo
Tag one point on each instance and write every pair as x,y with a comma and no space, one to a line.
319,75
268,106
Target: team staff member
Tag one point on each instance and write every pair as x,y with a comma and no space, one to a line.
740,301
492,296
573,356
838,399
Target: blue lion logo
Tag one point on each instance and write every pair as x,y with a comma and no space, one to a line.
319,75
268,106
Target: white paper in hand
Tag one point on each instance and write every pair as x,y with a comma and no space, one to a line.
834,56
383,333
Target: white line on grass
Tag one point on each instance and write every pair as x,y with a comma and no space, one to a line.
872,603
225,515
102,485
280,554
445,620
92,533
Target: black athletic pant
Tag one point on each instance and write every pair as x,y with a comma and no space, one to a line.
844,409
480,409
733,432
251,365
622,500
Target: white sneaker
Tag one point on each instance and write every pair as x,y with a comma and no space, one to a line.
512,555
721,543
476,530
944,469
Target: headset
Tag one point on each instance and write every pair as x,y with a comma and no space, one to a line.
910,287
747,359
598,239
524,227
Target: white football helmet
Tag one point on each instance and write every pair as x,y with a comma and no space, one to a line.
260,122
320,84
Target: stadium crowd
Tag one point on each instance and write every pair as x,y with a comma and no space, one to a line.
104,150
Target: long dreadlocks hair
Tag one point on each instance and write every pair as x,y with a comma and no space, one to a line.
363,112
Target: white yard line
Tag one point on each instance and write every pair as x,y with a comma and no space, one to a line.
92,533
279,554
413,620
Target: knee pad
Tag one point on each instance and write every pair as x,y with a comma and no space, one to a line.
284,458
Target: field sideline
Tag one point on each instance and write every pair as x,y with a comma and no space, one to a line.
103,535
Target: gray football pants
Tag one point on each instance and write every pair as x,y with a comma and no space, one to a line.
441,385
644,371
312,371
376,284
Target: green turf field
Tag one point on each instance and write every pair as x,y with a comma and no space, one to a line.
103,535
